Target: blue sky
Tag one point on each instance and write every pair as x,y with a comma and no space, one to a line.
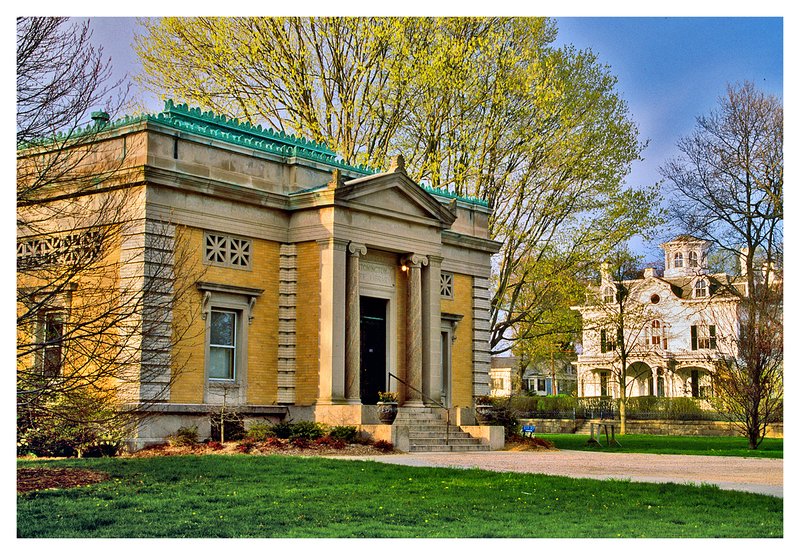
670,69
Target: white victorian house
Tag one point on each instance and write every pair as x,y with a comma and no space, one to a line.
675,327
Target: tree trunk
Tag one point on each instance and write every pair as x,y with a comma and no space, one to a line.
622,415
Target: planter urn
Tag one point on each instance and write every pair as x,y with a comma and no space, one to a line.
484,414
387,412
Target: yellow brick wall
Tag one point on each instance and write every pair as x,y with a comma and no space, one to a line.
94,304
308,314
262,338
462,348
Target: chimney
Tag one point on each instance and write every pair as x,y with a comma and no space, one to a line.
743,269
649,272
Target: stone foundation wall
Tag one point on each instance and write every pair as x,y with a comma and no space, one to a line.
652,427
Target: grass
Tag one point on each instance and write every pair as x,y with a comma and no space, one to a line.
281,496
676,445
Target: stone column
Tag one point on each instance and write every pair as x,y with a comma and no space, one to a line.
352,369
332,314
414,263
654,391
432,329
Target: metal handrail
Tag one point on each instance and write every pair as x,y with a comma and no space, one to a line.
434,401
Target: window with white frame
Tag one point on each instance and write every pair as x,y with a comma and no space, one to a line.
227,250
608,294
677,261
222,344
703,336
446,285
701,288
693,261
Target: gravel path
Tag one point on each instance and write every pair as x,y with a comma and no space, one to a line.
755,475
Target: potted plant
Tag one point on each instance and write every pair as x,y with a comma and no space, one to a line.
387,406
484,410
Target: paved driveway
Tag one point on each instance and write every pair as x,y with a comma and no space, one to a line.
755,475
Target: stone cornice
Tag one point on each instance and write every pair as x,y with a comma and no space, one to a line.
215,188
468,241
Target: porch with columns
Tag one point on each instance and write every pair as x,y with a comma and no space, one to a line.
340,347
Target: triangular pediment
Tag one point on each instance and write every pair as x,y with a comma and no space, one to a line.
393,193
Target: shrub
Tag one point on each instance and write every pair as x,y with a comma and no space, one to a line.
300,442
328,441
246,445
234,427
275,442
261,431
308,430
184,437
348,434
85,431
282,430
215,445
383,445
364,439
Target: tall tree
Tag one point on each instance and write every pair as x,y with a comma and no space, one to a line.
615,314
728,186
484,107
83,328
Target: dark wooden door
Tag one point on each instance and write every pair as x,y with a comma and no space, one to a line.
373,349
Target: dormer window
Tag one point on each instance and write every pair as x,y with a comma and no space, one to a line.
701,288
678,260
608,294
693,262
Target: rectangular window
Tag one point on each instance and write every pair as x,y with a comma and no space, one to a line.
607,343
228,251
446,285
52,334
704,337
222,345
541,384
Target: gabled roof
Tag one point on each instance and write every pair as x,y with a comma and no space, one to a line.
394,191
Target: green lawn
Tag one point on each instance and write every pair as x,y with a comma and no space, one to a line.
680,445
282,496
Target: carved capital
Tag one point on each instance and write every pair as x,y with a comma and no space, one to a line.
357,249
415,260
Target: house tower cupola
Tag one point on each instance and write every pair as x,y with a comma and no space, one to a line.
685,256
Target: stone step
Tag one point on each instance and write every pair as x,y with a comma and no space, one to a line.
453,433
441,441
446,448
420,422
416,411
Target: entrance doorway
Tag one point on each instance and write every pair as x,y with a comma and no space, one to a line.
373,348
